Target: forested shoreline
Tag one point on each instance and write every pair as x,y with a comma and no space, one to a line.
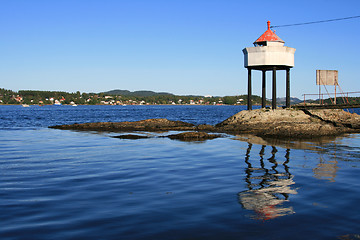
111,98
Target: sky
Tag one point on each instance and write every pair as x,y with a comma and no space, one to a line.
185,47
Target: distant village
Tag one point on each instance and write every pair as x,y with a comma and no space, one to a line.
29,97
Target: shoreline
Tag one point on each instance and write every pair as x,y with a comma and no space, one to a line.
127,105
279,123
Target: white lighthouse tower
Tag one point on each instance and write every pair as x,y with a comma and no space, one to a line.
269,54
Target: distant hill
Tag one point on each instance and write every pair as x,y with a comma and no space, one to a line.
292,100
143,93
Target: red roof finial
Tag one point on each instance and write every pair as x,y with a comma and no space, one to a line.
268,36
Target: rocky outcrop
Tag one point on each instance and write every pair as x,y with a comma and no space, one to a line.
337,117
150,125
291,123
279,123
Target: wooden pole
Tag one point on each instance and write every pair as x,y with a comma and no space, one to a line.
287,87
274,88
263,100
249,103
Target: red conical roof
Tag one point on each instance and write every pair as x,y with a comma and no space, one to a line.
268,36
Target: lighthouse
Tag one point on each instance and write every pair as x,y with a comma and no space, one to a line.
269,54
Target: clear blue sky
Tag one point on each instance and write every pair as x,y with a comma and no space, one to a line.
178,46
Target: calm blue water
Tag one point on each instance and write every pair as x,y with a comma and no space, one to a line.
57,184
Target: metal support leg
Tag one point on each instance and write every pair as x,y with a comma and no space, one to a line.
274,88
263,100
288,88
249,103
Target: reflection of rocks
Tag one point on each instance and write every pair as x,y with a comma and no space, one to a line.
310,144
349,237
288,123
326,170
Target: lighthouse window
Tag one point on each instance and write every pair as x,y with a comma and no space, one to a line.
260,44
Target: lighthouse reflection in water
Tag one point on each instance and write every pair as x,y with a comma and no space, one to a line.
269,184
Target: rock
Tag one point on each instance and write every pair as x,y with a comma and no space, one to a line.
206,128
291,123
151,125
185,136
131,136
337,117
279,123
193,136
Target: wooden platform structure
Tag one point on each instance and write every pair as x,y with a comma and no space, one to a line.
337,106
345,99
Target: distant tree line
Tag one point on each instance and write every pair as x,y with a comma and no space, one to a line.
144,97
339,100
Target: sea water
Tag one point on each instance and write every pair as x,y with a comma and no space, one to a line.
61,184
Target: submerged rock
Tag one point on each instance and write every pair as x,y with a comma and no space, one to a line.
131,136
185,136
193,136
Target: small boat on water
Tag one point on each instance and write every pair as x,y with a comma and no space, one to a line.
25,105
